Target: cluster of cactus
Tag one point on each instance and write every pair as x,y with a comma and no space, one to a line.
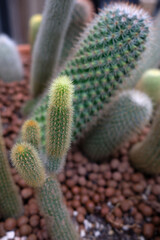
10,201
128,113
150,84
26,158
111,50
11,68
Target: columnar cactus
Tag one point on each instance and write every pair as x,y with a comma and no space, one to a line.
11,68
150,84
49,42
112,46
31,133
128,113
57,218
25,158
59,122
145,156
10,201
82,14
34,25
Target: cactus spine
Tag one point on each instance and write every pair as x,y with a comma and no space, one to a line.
128,113
31,133
34,25
26,160
10,201
112,46
49,42
145,156
82,14
150,84
11,68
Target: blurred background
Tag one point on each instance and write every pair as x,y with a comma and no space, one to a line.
15,14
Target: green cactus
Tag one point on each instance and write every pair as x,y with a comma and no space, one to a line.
34,25
11,68
150,84
113,45
26,160
82,14
145,156
58,221
59,117
31,133
49,43
128,113
10,201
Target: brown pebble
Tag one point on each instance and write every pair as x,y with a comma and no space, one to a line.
126,205
138,217
10,224
84,199
104,211
25,230
34,220
81,210
32,237
138,188
156,189
145,209
80,218
22,220
148,230
2,230
110,192
90,206
117,176
27,193
114,164
117,212
82,171
33,209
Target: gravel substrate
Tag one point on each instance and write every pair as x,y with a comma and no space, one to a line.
109,200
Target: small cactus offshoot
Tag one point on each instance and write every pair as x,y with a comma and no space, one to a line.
59,121
26,160
31,133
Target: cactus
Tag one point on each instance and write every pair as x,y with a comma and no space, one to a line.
34,25
11,68
145,156
82,14
31,133
128,113
26,160
58,221
113,45
150,84
10,201
49,42
59,117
